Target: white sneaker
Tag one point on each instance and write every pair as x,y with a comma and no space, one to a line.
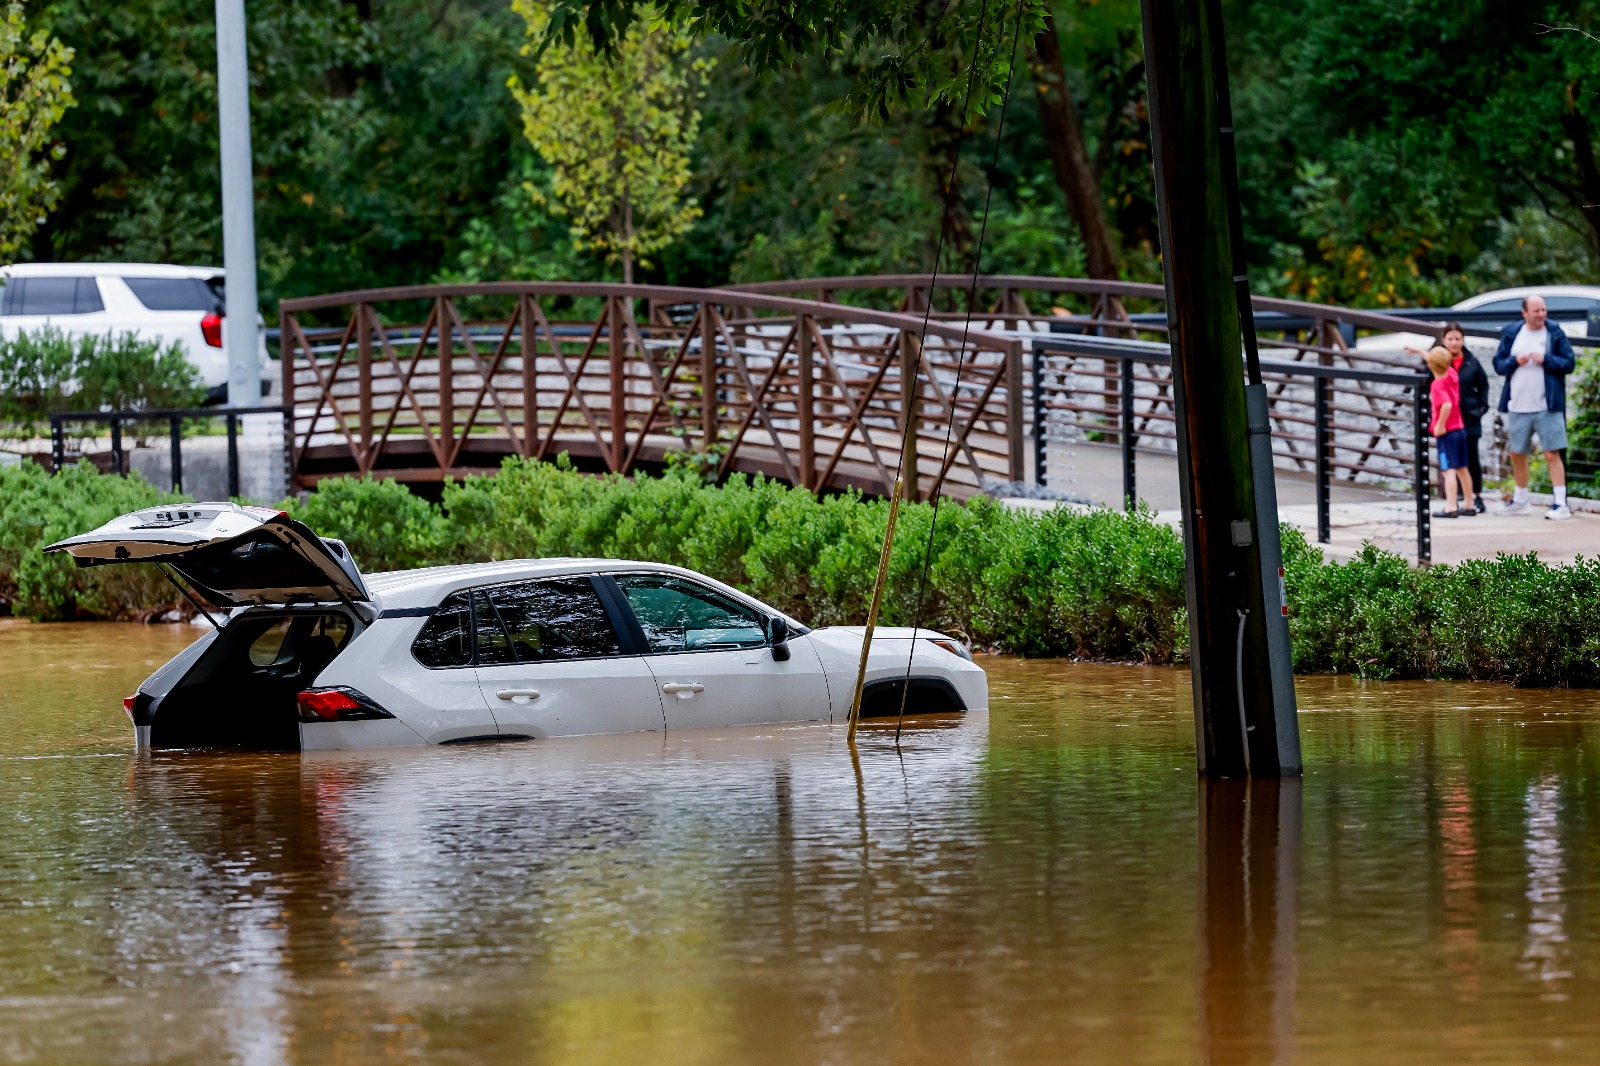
1513,508
1559,512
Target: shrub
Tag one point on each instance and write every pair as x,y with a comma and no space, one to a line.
36,373
127,372
387,526
1096,584
46,371
41,509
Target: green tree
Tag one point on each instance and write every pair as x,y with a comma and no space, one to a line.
380,130
899,53
34,94
616,131
1385,144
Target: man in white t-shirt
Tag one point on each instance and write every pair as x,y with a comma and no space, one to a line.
1535,357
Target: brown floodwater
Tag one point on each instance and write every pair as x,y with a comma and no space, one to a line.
1047,883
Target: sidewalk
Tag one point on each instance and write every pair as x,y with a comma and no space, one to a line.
1358,514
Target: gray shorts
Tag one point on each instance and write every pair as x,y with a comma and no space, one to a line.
1551,426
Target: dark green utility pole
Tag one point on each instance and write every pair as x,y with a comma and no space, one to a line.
1238,636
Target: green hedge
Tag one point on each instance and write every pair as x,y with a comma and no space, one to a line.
1087,583
46,370
1099,584
1093,584
40,509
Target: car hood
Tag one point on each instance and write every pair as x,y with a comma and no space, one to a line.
236,556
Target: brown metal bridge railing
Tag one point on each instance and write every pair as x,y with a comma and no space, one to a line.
429,382
1368,412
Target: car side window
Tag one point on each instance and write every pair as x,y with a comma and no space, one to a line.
445,640
1571,303
1502,306
52,296
543,621
679,615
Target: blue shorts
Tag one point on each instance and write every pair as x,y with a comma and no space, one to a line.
1551,426
1453,450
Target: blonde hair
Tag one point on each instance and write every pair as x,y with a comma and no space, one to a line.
1438,361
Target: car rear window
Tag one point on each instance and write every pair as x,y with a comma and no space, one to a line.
178,294
445,640
51,296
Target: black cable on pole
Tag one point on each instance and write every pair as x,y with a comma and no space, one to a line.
955,388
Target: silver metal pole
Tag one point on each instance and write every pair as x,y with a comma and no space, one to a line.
238,206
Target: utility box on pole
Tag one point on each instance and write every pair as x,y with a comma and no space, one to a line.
1238,636
238,206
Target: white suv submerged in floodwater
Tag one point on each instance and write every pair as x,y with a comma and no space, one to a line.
158,302
312,655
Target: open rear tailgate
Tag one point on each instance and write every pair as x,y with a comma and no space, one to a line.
236,556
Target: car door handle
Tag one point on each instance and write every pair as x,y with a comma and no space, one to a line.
515,694
683,690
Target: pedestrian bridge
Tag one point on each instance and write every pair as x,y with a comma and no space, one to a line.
819,382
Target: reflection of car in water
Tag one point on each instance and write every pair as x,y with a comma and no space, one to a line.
313,654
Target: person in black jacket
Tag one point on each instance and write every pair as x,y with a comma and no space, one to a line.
1474,398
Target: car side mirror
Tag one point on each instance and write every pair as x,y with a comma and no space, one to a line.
778,636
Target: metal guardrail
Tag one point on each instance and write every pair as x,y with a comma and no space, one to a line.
1473,323
1126,354
174,417
432,382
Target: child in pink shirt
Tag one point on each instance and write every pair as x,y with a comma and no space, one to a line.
1451,434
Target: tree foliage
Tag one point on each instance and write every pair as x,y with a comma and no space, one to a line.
901,53
1399,151
1391,151
34,93
616,129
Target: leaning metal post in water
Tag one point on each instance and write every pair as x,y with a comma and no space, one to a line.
1224,525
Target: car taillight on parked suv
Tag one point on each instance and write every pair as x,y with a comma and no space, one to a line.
211,329
337,704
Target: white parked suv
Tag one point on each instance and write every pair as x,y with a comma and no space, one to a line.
158,302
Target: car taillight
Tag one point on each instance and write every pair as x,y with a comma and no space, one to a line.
127,703
338,704
211,329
